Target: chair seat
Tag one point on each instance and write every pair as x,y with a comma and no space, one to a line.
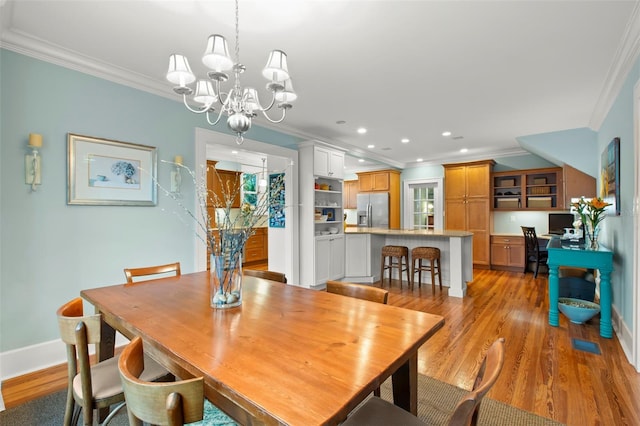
105,377
377,411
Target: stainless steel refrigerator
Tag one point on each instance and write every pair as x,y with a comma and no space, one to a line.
373,210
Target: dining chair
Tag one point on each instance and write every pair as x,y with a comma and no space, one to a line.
91,386
533,251
267,275
172,403
131,273
359,291
377,411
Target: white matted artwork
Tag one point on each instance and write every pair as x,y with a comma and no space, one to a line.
107,172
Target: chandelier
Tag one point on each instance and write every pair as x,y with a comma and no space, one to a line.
239,104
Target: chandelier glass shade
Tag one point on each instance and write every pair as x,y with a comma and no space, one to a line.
240,104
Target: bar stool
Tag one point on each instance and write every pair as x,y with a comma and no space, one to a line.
432,254
392,252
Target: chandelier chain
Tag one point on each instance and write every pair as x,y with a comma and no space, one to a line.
237,33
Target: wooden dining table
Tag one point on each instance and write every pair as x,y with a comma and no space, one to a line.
287,355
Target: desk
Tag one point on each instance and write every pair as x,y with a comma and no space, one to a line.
288,355
601,259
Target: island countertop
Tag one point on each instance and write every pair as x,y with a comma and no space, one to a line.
407,232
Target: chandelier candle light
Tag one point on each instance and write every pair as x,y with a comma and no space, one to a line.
239,104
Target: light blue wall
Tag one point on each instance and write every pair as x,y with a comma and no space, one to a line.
616,232
49,250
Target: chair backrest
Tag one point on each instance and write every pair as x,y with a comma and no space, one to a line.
466,412
158,403
78,331
530,239
267,275
131,273
359,291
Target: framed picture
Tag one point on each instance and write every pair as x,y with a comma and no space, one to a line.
610,176
106,172
249,189
276,200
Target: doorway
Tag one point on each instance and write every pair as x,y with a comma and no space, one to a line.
423,204
282,242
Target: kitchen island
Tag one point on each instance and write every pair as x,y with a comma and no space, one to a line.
363,246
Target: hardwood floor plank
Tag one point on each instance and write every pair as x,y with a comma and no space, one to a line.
542,373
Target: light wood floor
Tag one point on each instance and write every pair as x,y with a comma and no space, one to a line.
542,372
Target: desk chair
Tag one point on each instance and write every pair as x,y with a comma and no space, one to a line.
131,273
377,411
359,291
91,386
532,250
267,275
173,403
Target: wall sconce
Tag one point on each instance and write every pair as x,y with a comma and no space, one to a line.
32,161
176,175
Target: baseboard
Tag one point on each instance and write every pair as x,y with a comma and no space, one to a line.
37,357
623,333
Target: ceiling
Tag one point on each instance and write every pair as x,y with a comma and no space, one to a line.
487,71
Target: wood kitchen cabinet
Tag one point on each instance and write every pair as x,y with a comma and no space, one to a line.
222,184
384,181
256,248
507,252
350,192
467,204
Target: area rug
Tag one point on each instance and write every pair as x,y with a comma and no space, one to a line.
49,410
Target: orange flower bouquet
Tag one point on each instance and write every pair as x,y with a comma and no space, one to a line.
591,212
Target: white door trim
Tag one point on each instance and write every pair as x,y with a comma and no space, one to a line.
438,220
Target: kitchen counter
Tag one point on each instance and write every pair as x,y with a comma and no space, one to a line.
407,232
363,260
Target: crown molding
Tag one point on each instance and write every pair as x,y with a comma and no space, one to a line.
623,61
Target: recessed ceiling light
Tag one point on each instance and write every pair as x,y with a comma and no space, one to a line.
234,152
404,140
419,160
371,146
464,150
362,130
446,133
361,160
340,122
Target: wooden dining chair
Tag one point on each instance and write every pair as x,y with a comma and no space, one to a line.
267,275
172,403
377,411
359,291
131,273
91,386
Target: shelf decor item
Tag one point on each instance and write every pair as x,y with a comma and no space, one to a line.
233,227
591,212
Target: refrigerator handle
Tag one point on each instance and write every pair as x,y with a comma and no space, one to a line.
369,213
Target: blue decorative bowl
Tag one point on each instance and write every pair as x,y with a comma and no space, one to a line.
577,310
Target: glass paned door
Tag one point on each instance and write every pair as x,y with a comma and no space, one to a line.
423,206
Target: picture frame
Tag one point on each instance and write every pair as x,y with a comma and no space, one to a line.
276,200
610,176
106,172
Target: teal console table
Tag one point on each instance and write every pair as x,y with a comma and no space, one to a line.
601,259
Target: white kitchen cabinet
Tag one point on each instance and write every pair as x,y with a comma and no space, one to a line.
328,163
329,258
321,212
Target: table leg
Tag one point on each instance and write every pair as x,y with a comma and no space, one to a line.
405,385
606,330
554,291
